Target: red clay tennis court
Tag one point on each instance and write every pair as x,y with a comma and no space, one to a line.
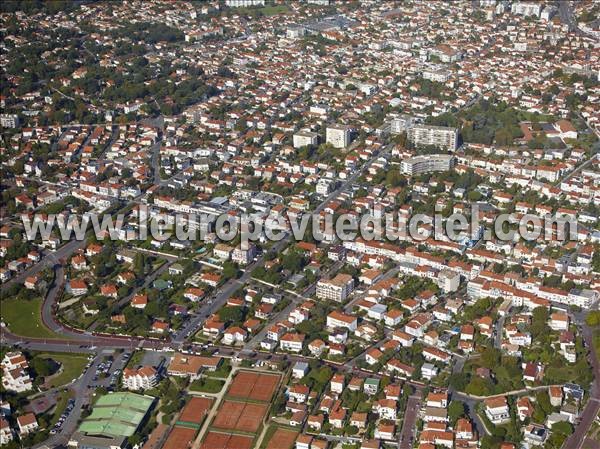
240,416
251,417
195,410
180,438
282,439
254,386
217,440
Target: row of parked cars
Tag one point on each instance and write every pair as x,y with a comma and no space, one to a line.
63,417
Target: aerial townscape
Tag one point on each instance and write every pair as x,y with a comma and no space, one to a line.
311,224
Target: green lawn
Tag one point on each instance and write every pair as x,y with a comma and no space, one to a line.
273,10
72,366
24,318
222,372
207,385
269,10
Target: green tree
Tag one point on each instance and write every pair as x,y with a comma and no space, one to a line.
539,322
322,375
139,264
593,318
231,314
479,387
456,409
458,381
41,366
230,270
490,357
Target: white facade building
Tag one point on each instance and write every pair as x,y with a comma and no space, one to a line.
439,136
338,135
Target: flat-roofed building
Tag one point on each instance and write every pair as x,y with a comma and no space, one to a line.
438,136
304,138
401,123
337,288
115,417
338,135
184,365
417,165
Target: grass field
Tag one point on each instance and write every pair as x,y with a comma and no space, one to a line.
72,366
269,10
207,385
275,9
222,372
24,318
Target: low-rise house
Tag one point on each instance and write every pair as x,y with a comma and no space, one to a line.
139,301
315,422
393,317
298,393
234,335
439,400
337,384
397,367
27,424
556,396
371,386
300,370
428,371
373,356
496,409
340,319
386,430
359,420
77,287
337,417
160,327
292,342
559,321
6,435
524,408
386,409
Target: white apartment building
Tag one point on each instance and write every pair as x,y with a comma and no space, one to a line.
527,8
417,165
140,379
338,135
14,373
582,298
325,186
439,136
9,120
243,254
244,3
401,123
436,74
304,138
336,289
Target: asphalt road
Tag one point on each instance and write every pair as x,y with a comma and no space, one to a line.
49,259
407,434
592,408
